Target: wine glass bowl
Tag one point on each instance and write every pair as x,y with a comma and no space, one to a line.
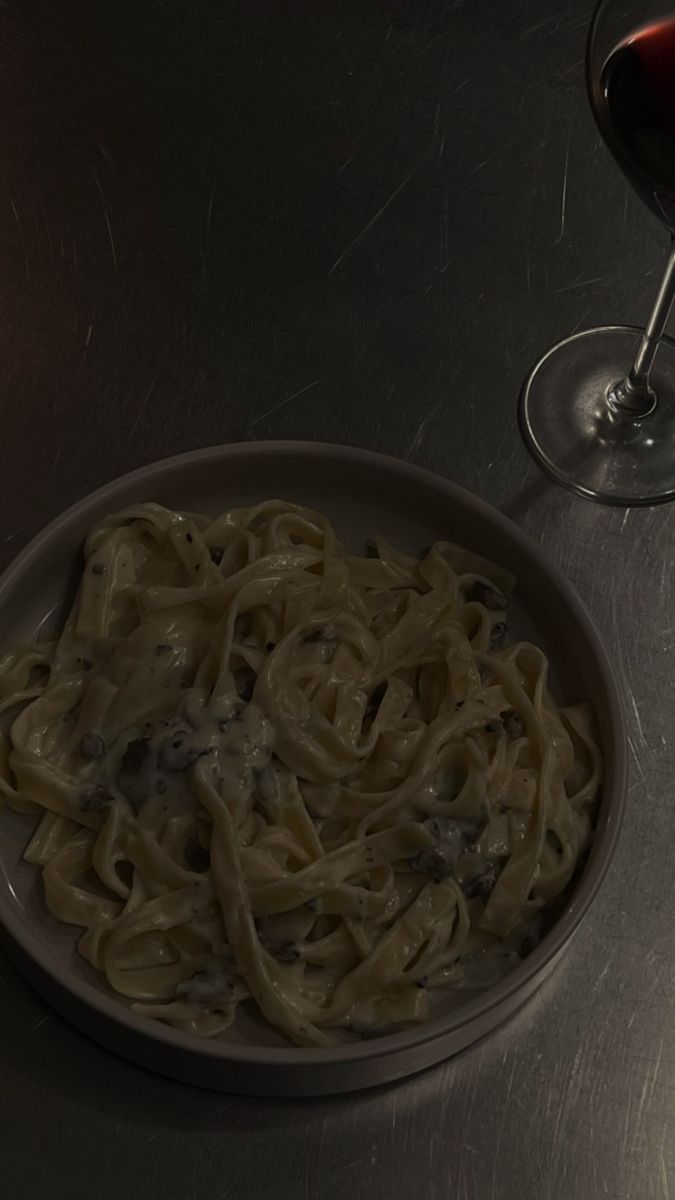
631,87
598,410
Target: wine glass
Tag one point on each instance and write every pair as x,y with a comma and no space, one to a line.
598,410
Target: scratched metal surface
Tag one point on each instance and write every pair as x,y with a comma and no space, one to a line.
358,223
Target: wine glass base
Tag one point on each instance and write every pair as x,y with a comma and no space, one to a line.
571,430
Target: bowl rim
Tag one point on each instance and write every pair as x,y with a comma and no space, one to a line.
474,1009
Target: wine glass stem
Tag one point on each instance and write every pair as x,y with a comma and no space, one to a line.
634,395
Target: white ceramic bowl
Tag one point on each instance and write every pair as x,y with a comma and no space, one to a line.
362,493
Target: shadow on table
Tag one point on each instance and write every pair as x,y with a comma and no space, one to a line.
520,504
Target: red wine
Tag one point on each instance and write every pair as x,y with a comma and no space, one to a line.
635,108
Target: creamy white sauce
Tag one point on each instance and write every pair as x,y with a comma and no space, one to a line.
149,766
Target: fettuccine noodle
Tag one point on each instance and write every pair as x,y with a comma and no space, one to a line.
267,769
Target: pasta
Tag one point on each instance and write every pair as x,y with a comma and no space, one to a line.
268,770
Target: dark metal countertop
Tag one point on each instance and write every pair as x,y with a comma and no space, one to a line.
362,223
